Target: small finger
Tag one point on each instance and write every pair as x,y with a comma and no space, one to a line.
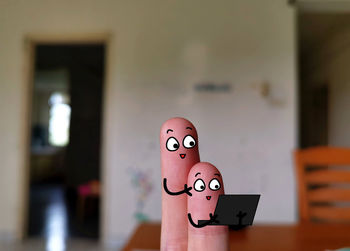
207,185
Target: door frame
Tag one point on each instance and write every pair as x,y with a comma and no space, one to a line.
30,43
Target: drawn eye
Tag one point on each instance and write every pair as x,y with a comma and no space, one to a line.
189,141
199,185
214,184
172,144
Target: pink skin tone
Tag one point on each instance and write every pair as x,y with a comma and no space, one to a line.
207,185
179,152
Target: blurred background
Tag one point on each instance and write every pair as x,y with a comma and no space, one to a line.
86,85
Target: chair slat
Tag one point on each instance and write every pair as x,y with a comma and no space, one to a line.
330,213
325,156
321,157
327,176
329,195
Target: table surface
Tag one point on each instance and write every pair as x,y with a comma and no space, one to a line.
299,237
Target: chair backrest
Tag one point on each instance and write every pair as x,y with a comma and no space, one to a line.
323,184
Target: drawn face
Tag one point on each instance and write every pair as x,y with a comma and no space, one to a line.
206,181
178,140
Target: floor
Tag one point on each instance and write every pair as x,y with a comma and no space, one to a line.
53,214
42,245
53,224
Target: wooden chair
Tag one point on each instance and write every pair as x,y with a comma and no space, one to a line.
323,184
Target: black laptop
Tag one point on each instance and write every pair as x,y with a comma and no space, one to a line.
235,209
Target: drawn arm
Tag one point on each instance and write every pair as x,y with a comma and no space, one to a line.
240,216
204,223
186,189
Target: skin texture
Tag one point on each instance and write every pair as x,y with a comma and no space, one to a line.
175,169
205,238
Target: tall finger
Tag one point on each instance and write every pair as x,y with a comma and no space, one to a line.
179,152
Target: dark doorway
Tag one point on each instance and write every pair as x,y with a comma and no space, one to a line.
324,76
314,115
314,86
66,141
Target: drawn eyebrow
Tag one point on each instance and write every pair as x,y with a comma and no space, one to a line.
197,174
188,128
217,174
169,130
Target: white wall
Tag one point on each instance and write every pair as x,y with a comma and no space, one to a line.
159,51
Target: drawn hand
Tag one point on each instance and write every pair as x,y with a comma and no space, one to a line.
213,218
186,189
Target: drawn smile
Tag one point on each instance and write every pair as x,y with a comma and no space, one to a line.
208,197
182,155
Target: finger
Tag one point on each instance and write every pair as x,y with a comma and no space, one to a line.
179,152
201,206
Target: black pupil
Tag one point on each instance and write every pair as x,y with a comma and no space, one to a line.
175,145
216,186
191,143
202,187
